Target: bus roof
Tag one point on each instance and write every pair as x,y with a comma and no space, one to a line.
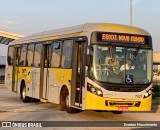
78,30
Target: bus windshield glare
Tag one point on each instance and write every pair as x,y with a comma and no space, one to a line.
121,65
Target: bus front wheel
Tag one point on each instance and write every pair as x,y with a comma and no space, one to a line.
65,103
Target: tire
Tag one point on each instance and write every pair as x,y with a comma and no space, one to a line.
70,109
65,103
24,98
62,100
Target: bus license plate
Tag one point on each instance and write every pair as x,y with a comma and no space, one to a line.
122,108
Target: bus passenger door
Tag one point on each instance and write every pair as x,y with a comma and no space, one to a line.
15,69
78,73
45,70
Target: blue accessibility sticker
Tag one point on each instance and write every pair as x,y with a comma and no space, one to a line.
129,79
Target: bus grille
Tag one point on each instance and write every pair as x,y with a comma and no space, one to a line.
123,103
125,89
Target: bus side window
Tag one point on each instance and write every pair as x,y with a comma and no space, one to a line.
10,55
37,55
56,54
23,56
67,53
29,61
18,53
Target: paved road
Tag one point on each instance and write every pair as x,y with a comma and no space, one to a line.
13,109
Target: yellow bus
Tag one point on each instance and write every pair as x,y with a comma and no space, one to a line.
94,66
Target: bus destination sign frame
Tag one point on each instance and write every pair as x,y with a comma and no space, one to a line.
125,38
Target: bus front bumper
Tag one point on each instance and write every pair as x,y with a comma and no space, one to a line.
94,102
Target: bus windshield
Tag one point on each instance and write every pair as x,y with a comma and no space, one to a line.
121,65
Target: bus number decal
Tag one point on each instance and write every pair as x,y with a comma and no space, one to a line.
138,96
23,70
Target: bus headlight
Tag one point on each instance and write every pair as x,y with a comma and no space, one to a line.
99,93
148,93
94,90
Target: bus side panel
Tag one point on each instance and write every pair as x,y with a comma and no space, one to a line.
29,81
35,82
58,78
8,77
24,74
31,77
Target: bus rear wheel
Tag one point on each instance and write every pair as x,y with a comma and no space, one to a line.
24,98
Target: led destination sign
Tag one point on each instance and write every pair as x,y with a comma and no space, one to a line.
121,38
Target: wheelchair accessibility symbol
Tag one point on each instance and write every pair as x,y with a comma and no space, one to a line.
128,79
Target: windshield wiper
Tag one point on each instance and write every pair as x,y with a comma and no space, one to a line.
134,55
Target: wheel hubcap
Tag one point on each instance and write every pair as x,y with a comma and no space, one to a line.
24,93
67,100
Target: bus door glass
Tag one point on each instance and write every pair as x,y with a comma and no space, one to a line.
16,68
78,75
45,66
36,70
